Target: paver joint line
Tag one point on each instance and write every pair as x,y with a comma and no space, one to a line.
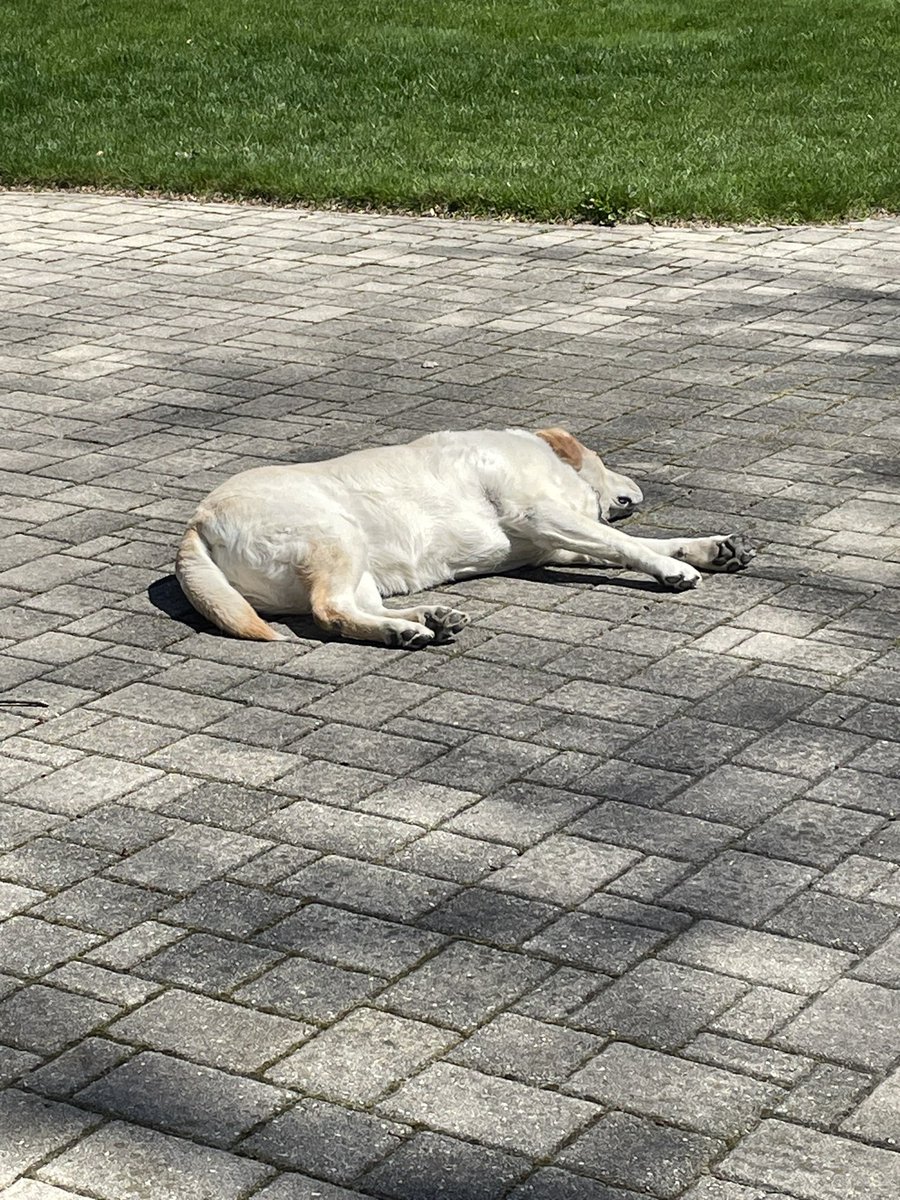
601,901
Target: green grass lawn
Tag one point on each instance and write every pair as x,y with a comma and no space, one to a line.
779,110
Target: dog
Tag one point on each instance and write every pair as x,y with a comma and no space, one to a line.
334,538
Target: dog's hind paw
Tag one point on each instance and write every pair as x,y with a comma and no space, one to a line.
441,619
733,553
409,637
444,622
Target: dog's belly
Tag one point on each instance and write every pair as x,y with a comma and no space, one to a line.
271,587
400,555
484,550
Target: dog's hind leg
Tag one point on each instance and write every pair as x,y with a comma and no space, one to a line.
441,619
340,599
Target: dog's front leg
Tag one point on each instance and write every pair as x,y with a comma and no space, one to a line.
552,528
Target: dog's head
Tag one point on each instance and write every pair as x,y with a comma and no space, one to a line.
617,495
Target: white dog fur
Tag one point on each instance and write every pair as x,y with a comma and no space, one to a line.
333,538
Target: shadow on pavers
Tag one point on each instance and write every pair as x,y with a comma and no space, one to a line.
166,596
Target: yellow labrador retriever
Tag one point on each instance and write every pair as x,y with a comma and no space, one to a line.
333,538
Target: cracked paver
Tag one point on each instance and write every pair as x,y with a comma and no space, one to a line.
602,900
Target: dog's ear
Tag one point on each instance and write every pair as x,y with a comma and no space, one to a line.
564,446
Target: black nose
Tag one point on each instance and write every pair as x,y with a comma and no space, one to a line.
624,502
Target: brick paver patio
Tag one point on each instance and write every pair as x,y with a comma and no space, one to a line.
603,901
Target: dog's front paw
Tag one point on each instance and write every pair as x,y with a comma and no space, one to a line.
733,553
680,576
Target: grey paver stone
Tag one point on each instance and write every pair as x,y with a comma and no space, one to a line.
292,1186
760,1062
758,1013
83,785
30,947
686,744
15,1063
721,1189
883,965
653,831
799,749
737,795
561,994
583,940
361,1056
450,856
877,1119
33,1128
416,801
337,830
518,814
33,1189
383,891
46,1020
229,909
89,979
210,1031
431,1166
352,940
183,1098
208,964
183,709
706,1099
551,1183
128,948
498,1112
121,1161
834,921
854,1023
780,962
328,1141
755,703
184,860
76,1067
813,1166
826,1095
633,1152
50,864
745,888
490,916
331,783
463,984
815,834
309,991
221,759
659,1004
562,870
102,905
525,1049
224,805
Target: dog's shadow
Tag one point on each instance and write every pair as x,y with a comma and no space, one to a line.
166,596
563,575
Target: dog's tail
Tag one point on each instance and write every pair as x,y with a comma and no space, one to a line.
213,596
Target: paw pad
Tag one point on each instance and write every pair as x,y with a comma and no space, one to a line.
734,553
445,621
410,639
